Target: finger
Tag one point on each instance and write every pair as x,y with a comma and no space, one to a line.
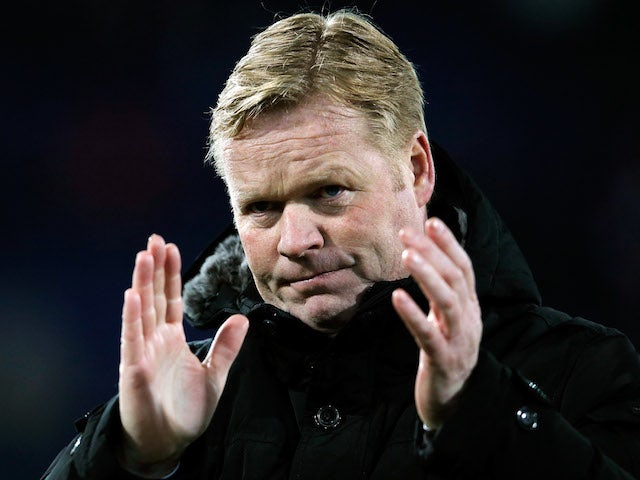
444,238
156,246
225,348
132,337
173,285
425,331
442,263
142,284
443,299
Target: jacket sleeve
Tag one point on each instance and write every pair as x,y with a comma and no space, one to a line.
506,427
89,455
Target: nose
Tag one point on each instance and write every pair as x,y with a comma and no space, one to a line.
299,231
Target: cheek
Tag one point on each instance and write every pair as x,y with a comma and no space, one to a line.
352,227
379,226
366,231
257,247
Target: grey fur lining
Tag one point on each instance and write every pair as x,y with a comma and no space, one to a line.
227,265
462,224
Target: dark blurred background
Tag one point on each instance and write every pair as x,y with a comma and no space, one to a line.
104,117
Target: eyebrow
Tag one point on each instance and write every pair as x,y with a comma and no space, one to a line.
324,174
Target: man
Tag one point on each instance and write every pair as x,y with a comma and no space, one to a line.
374,317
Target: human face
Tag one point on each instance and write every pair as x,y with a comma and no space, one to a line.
318,208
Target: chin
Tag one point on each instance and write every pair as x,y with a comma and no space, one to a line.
325,316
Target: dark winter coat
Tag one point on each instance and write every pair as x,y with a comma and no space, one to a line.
551,396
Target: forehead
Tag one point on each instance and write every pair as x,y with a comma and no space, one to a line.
310,139
315,123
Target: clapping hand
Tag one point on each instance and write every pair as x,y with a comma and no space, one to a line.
167,395
449,335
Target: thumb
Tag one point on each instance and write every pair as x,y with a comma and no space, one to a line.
225,348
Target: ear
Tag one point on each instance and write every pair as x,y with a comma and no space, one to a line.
424,175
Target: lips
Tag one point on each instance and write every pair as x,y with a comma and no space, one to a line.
311,276
319,270
320,282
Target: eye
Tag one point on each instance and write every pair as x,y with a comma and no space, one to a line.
259,207
330,191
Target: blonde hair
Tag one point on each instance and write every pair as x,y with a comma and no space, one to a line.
341,56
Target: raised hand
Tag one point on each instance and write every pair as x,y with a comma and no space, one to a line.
449,335
167,395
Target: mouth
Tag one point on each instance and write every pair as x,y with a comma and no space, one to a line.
310,276
325,279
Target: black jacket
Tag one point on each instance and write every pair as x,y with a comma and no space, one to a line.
551,397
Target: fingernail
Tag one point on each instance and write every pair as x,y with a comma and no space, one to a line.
398,294
412,257
408,234
437,225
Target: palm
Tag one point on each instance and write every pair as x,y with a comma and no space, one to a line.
167,395
170,380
